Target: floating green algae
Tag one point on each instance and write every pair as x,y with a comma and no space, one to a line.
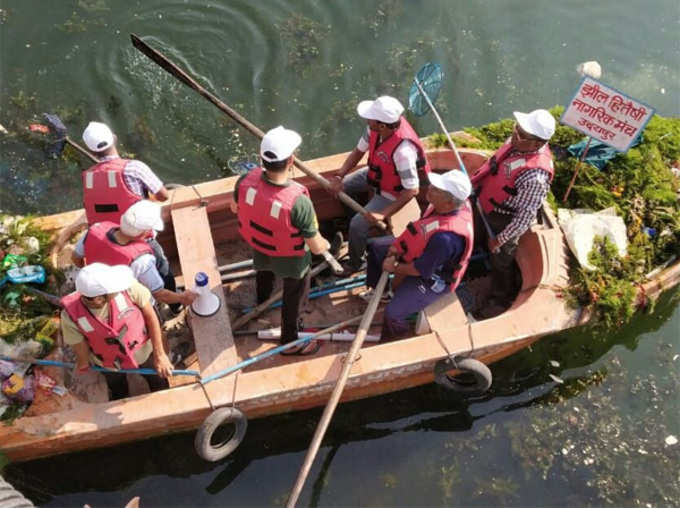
302,37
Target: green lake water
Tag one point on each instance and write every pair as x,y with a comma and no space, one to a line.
597,438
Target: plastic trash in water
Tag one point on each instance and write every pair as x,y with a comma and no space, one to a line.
650,232
19,388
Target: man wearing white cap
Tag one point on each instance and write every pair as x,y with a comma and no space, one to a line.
113,184
430,257
395,158
511,187
109,321
126,244
277,219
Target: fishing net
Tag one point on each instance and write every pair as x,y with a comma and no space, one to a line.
430,78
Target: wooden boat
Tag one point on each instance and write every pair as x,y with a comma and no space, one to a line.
200,234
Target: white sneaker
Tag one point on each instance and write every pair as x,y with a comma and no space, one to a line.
368,295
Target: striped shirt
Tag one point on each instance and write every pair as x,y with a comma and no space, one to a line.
138,177
532,188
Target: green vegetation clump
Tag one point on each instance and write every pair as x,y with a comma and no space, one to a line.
639,185
22,314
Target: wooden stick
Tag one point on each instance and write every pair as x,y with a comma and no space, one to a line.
240,322
173,69
337,391
576,170
482,215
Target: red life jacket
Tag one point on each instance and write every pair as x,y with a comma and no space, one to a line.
99,248
114,343
106,196
412,242
382,172
501,171
264,215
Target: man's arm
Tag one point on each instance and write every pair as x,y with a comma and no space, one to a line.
532,189
160,358
317,244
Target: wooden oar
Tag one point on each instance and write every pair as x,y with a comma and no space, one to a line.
173,69
337,391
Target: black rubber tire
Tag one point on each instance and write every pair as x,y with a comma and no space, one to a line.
480,373
224,415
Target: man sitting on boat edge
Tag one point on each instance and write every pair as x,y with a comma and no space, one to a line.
395,157
511,187
277,219
430,257
125,244
109,321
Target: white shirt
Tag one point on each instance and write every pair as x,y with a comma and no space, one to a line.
405,158
143,268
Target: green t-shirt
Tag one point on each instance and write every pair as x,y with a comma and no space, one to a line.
303,217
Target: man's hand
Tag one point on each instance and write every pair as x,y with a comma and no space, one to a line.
494,245
375,217
162,364
389,263
187,297
336,185
233,205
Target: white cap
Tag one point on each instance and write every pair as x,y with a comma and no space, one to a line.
280,143
454,182
141,217
537,123
97,136
384,109
99,279
591,69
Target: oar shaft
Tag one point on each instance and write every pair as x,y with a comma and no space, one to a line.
482,215
173,69
337,391
81,149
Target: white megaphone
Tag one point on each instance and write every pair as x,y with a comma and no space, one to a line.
207,302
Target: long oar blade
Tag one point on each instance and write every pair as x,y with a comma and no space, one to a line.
173,69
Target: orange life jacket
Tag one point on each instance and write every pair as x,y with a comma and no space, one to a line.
382,172
264,215
113,342
412,242
106,196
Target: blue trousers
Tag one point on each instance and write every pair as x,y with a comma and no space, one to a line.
412,295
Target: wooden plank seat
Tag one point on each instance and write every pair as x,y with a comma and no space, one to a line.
212,335
444,316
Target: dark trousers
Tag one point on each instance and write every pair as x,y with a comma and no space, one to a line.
412,295
162,265
504,271
118,384
295,293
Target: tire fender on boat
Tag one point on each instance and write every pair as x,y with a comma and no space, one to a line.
222,416
479,371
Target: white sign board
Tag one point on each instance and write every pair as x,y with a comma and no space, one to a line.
606,114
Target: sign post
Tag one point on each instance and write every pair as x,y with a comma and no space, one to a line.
604,113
